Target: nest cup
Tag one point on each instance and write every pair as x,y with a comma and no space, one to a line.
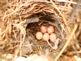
45,16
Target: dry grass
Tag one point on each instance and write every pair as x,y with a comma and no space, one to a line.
19,21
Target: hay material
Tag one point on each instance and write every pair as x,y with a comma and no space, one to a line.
21,19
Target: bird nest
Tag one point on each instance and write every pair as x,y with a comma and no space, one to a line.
22,20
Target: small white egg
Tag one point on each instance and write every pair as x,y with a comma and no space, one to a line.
39,35
53,37
50,29
20,59
46,36
43,29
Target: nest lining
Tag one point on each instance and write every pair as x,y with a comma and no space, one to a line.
46,20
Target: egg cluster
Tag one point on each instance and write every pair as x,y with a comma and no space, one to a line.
46,33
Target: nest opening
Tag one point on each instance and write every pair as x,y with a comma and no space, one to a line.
45,19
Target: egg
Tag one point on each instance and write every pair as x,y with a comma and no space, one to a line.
52,37
39,35
50,29
43,29
21,59
46,36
